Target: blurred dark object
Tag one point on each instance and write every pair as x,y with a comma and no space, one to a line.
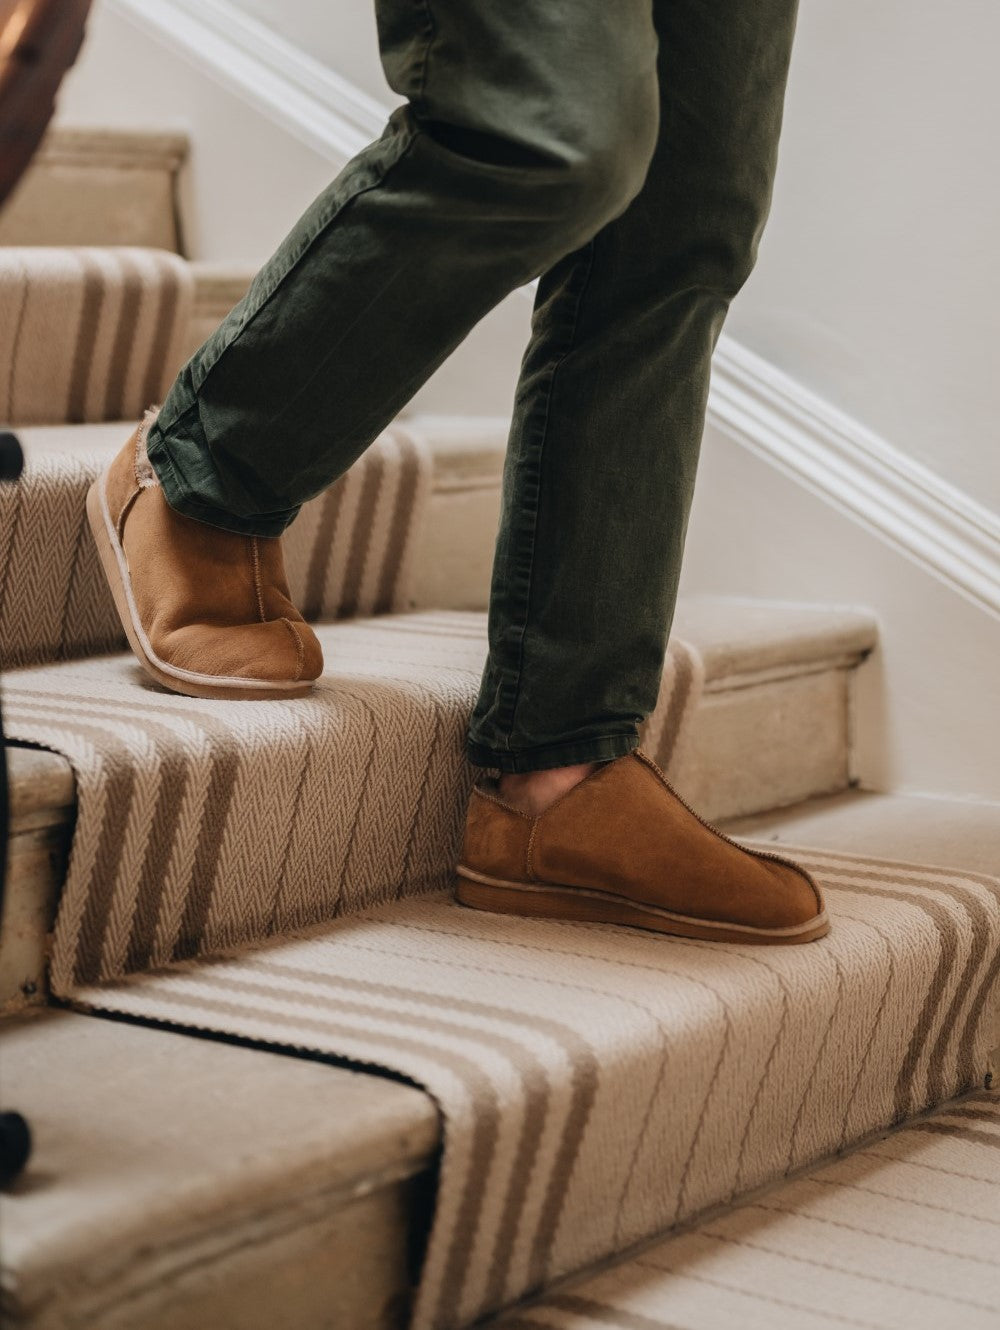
15,1146
11,457
39,40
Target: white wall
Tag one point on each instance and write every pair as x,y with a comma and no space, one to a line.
878,284
247,179
928,699
340,33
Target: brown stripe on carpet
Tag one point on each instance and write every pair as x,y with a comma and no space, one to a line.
975,995
980,1114
367,505
80,544
410,504
973,1134
117,792
94,293
331,503
218,803
166,306
122,345
11,509
944,971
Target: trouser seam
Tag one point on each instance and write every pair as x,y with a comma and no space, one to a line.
431,33
412,129
557,365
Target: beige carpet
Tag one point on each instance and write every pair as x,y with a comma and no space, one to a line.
599,1085
904,1234
208,824
89,334
349,552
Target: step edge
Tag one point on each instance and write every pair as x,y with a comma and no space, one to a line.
400,1140
92,146
42,780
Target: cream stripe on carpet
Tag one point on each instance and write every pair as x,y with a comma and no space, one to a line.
903,1234
207,824
342,557
600,1085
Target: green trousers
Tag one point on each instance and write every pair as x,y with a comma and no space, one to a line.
624,153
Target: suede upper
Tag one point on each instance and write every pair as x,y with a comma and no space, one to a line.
209,600
623,830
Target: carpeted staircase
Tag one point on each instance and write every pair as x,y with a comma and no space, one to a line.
478,1107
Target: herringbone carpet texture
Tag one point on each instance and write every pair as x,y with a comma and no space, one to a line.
205,824
903,1234
600,1085
349,552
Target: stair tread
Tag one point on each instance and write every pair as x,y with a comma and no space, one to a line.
737,635
900,1233
732,635
956,833
178,1140
98,145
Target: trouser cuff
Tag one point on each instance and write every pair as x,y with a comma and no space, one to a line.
600,749
180,499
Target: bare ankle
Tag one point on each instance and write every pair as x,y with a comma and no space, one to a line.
533,791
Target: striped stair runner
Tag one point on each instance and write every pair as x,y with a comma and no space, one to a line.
280,872
208,824
601,1085
902,1234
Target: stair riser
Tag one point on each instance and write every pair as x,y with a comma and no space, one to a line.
770,744
36,868
99,188
325,1262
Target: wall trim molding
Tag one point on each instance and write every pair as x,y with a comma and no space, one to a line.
284,83
892,495
751,401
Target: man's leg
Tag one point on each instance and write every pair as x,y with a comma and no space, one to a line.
528,126
597,490
611,402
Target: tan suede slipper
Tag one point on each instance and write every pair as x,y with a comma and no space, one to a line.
622,847
207,612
